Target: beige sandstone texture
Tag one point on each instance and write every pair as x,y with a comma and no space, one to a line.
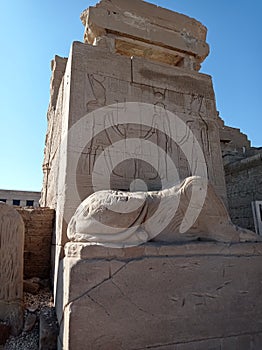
146,30
136,78
122,219
175,297
138,54
11,267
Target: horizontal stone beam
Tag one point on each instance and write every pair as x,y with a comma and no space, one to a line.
157,15
170,29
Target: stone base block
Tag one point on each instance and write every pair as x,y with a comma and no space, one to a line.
156,296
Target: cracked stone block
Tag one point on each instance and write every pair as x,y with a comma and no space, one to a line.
186,296
11,267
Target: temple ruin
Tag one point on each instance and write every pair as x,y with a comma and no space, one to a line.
130,111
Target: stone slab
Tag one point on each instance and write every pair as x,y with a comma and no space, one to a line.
172,78
158,15
99,60
131,24
188,296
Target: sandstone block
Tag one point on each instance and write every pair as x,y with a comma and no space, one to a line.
149,23
190,296
11,267
171,78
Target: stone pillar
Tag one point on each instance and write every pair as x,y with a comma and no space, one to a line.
135,56
11,267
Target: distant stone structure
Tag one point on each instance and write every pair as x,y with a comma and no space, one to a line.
243,174
11,267
244,186
20,198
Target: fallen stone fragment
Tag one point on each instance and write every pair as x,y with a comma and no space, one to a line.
30,322
5,331
48,329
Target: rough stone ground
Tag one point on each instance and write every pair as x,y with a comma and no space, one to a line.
29,338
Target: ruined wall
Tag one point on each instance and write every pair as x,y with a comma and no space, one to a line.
142,55
243,169
234,143
244,185
38,238
53,135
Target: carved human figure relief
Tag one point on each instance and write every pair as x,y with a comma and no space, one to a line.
11,267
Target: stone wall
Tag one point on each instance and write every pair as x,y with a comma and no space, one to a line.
184,297
38,238
53,135
244,185
124,62
232,141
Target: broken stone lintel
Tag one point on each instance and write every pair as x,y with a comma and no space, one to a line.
146,24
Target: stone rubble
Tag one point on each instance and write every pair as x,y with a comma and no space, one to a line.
29,338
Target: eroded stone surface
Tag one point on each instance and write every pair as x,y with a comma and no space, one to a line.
160,292
133,28
11,267
38,238
188,211
167,50
48,329
244,185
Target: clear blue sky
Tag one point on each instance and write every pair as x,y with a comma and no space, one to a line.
32,32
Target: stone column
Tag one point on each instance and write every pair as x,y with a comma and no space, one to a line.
11,267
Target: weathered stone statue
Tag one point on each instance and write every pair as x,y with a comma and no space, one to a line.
11,267
188,211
